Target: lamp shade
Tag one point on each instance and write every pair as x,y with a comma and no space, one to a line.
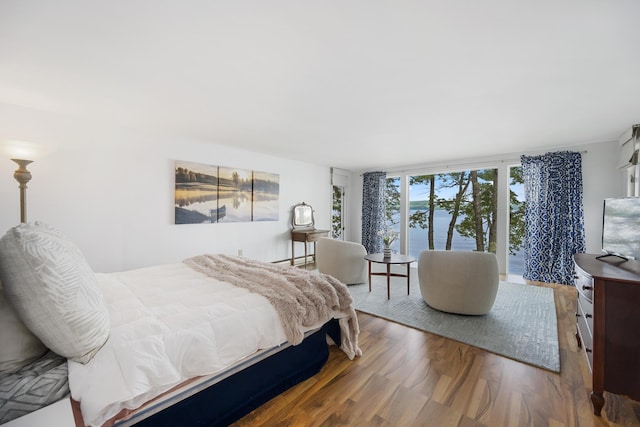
15,149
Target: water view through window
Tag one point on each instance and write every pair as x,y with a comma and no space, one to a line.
457,211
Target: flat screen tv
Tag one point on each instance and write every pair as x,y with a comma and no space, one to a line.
621,227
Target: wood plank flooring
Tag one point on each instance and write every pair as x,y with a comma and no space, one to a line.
407,377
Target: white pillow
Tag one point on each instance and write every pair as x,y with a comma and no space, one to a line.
54,291
18,346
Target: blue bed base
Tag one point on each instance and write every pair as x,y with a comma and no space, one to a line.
232,398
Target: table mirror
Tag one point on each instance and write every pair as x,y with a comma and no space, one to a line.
303,216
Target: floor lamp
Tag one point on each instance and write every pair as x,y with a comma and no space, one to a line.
22,175
19,152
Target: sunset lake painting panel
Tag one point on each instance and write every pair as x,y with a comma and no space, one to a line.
266,196
196,193
234,192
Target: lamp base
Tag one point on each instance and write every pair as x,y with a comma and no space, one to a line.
23,176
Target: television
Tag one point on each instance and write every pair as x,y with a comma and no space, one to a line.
621,228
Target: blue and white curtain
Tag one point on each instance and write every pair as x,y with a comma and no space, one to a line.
373,203
554,217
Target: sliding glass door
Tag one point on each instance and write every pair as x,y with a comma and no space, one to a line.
452,211
458,211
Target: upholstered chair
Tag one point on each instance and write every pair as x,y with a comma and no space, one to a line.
342,260
459,281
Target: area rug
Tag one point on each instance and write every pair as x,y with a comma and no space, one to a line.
522,324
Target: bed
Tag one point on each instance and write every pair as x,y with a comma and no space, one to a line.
199,342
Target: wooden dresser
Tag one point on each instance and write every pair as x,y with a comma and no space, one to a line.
608,324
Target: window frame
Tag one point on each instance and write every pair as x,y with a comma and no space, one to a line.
502,232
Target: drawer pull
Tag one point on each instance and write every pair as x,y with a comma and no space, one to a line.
588,350
586,288
577,314
588,316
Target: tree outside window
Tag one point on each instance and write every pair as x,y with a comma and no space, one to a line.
456,211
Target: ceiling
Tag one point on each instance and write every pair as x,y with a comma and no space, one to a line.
355,84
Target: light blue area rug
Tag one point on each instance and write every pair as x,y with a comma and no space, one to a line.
522,324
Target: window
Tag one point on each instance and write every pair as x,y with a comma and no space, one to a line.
392,209
452,211
516,221
339,184
459,211
337,212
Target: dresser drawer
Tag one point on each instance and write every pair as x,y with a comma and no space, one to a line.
586,338
308,235
584,284
585,310
314,237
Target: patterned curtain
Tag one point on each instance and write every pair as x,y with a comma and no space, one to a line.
373,188
554,220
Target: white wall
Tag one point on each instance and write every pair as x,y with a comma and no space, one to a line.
111,191
601,179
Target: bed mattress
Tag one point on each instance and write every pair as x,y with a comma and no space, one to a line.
169,323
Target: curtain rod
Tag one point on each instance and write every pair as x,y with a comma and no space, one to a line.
518,159
456,165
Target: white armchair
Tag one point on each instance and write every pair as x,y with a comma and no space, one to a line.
342,260
459,282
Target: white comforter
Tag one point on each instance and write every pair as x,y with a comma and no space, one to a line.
168,323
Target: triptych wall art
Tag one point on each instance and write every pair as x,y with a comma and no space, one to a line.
210,194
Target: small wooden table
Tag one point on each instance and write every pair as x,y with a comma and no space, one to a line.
306,235
393,259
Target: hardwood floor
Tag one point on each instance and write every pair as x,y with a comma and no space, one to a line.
407,377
